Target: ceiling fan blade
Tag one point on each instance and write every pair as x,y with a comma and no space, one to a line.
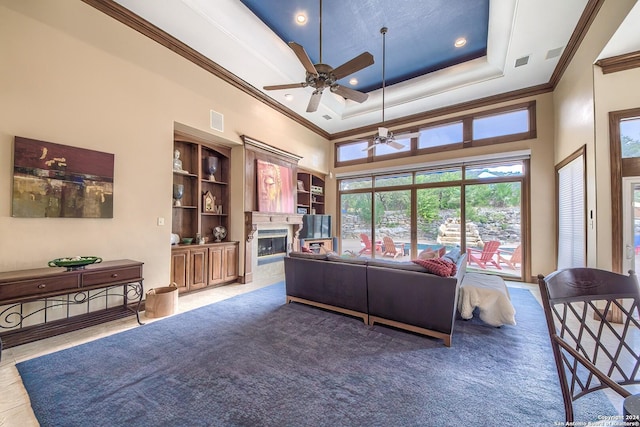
408,135
287,86
303,58
358,63
371,147
348,93
395,144
314,101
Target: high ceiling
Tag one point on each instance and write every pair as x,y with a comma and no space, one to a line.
417,43
511,45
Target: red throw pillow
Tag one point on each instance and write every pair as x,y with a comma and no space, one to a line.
305,249
441,267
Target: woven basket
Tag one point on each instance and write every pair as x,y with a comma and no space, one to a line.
161,302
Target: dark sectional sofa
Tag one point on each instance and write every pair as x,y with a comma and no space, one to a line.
399,294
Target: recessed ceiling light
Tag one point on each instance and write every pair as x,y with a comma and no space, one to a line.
288,97
301,18
460,42
353,81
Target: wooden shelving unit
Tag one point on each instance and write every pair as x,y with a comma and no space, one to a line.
310,193
195,266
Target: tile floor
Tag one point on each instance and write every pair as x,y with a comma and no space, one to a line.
15,408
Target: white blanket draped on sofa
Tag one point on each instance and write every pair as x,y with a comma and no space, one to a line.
490,295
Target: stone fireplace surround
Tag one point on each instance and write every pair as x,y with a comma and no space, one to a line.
255,221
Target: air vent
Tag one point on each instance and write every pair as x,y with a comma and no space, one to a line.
217,121
553,53
327,117
522,61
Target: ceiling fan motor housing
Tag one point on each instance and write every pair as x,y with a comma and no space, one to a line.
323,79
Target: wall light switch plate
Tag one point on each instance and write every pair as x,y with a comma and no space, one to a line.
160,221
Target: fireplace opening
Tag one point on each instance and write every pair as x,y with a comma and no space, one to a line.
272,242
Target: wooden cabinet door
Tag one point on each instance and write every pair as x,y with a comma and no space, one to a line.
180,268
230,260
215,265
198,268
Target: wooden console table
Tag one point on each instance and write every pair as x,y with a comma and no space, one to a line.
27,298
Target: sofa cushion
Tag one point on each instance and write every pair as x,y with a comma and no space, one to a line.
428,254
440,266
307,255
347,259
398,265
453,255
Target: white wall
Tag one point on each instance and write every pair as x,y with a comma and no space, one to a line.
71,75
580,119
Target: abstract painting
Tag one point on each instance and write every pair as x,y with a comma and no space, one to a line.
53,180
275,187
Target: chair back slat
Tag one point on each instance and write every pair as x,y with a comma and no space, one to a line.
592,319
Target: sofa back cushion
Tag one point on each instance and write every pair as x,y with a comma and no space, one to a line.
307,255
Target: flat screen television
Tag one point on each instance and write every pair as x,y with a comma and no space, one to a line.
316,227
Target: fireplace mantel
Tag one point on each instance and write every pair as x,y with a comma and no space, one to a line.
252,220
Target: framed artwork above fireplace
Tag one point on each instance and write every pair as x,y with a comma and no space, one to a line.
275,187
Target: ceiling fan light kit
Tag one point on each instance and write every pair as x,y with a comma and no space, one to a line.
321,76
384,135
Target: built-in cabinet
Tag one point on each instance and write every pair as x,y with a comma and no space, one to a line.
201,200
198,266
310,193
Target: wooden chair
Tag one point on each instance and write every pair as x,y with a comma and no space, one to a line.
590,351
513,260
389,248
364,238
485,256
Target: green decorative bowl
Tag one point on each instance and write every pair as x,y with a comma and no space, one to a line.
76,262
187,240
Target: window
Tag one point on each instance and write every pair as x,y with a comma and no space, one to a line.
386,149
391,180
508,123
630,137
352,151
497,126
437,136
572,240
443,175
356,183
493,171
435,208
624,139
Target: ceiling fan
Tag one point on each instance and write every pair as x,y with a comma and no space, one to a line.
384,135
321,76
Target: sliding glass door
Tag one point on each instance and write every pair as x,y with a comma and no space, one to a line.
399,215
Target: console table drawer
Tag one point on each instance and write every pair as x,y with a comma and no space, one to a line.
111,276
38,286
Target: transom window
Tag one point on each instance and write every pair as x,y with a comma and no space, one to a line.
497,126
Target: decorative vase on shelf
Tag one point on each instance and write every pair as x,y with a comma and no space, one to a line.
178,192
211,166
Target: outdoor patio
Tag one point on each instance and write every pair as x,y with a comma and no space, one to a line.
355,246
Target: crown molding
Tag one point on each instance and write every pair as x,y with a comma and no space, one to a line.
623,62
130,19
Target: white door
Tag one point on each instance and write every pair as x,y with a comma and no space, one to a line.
631,221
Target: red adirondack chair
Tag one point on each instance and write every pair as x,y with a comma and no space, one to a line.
368,245
513,260
392,249
486,255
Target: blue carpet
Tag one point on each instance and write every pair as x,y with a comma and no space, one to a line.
254,361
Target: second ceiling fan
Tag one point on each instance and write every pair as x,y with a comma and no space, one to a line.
321,76
384,135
